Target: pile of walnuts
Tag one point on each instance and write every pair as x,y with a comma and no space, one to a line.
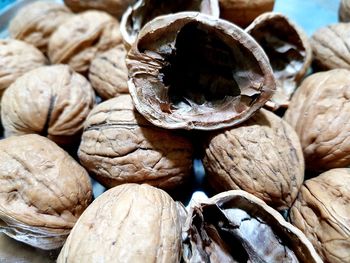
131,93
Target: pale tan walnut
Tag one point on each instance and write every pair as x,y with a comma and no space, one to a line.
262,156
77,41
322,212
119,146
53,101
319,112
128,223
344,11
108,73
16,58
330,46
36,22
43,191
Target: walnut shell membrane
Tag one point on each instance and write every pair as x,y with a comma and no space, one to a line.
193,71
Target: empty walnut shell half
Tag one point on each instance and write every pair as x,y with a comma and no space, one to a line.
177,81
119,146
128,223
77,41
322,212
288,49
36,22
319,113
52,101
143,11
263,156
235,226
43,191
344,11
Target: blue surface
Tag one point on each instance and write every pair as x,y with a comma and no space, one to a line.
3,3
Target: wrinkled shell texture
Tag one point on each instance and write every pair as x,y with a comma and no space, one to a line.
36,22
330,46
322,212
17,58
119,146
43,191
344,11
180,83
243,12
262,156
319,113
108,73
128,223
52,101
82,37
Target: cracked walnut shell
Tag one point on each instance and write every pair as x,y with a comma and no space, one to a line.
43,191
128,223
322,212
119,146
344,11
262,156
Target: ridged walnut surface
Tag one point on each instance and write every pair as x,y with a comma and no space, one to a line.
128,223
322,212
43,191
16,58
36,22
344,11
52,101
262,156
319,113
108,73
77,41
119,146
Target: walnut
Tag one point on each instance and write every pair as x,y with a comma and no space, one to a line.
262,156
330,47
322,212
243,12
288,49
16,58
235,226
344,11
52,101
318,112
77,41
36,22
119,146
143,11
177,81
43,191
108,73
128,223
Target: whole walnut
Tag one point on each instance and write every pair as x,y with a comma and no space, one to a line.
330,47
119,146
344,11
36,22
322,212
43,191
52,101
262,156
108,73
77,41
319,113
128,223
16,58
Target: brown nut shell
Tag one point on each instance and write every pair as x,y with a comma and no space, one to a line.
128,223
108,73
177,81
319,113
235,226
322,212
119,146
36,22
43,191
344,11
77,41
288,49
52,101
263,156
16,58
